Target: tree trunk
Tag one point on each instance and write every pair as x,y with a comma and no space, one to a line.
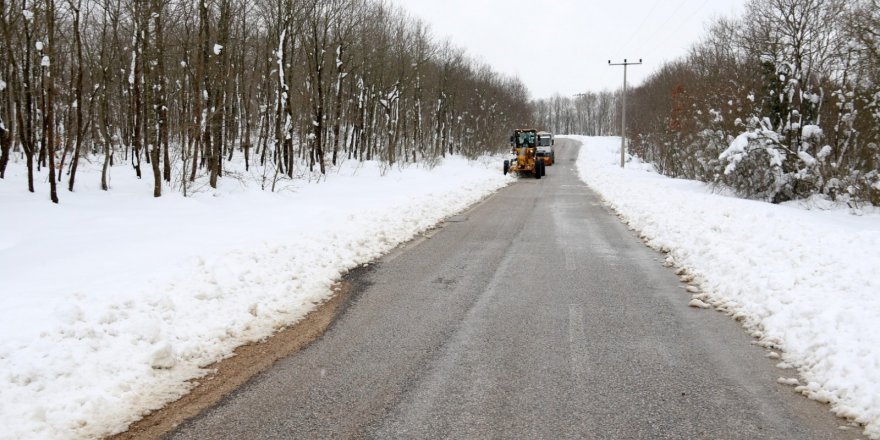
5,145
49,87
8,90
78,92
105,169
153,108
134,81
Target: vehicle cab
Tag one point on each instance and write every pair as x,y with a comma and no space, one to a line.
545,147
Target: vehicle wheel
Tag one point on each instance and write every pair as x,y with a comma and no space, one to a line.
506,167
543,169
537,170
552,157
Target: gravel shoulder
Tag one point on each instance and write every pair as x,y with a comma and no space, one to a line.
231,373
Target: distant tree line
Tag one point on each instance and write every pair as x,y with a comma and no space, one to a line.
177,88
588,114
779,104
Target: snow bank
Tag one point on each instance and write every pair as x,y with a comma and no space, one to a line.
801,280
111,301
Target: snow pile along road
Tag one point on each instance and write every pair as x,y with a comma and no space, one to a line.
111,301
803,280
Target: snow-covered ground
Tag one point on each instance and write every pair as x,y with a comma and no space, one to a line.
111,301
802,277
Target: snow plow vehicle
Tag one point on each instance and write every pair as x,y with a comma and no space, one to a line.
525,147
545,147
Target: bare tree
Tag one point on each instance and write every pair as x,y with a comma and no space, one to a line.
794,80
48,82
6,94
182,85
76,7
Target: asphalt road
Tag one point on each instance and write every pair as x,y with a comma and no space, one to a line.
537,314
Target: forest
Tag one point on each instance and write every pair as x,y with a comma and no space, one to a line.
176,90
780,103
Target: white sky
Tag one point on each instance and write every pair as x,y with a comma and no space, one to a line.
571,40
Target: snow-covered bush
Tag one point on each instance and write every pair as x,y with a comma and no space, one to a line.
753,162
760,164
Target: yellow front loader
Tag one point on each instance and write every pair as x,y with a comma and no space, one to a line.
524,143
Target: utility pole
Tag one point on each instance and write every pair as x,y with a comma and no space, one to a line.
623,111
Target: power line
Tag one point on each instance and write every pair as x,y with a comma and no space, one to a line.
680,24
659,30
625,46
674,11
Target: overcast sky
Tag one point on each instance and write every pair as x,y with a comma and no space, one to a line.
569,42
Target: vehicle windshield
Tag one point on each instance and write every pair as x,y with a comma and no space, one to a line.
544,141
526,138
